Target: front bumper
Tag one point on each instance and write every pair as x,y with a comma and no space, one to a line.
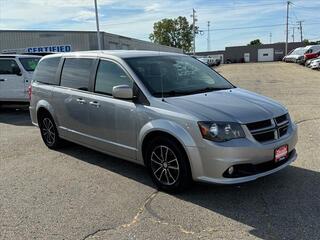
210,162
291,159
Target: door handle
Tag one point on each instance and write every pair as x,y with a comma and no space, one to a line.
3,79
81,101
95,104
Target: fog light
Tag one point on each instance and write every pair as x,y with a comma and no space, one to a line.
230,170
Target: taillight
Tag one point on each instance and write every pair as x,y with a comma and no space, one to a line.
30,91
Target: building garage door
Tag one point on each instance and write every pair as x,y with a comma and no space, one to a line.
265,55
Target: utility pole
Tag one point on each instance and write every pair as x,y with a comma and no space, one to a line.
300,28
97,22
208,40
194,19
287,24
270,38
292,34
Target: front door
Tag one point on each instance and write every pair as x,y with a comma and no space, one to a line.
12,86
112,121
246,57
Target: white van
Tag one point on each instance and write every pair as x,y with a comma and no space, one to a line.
297,54
15,77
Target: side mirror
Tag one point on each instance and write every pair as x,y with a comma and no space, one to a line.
122,92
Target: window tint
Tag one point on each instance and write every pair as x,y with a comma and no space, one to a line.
109,75
46,71
29,64
8,66
76,73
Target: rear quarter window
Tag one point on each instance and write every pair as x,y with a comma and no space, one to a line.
76,73
46,71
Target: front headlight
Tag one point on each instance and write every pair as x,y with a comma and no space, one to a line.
221,131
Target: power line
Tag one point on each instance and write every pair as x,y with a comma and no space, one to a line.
239,6
248,27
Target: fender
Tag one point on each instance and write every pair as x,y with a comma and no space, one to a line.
166,126
49,108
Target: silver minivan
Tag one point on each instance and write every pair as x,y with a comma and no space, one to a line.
169,112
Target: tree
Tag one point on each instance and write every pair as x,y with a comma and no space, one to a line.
173,32
307,42
255,42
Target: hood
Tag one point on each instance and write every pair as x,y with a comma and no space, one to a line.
295,56
234,105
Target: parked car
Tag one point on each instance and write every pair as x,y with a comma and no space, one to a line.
315,64
15,77
309,61
167,111
211,62
297,55
310,56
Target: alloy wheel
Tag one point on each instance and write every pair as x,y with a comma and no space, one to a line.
48,131
165,165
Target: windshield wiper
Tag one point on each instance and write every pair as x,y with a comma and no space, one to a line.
207,89
181,93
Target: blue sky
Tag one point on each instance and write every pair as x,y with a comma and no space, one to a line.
135,18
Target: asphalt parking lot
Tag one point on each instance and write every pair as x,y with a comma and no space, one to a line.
77,193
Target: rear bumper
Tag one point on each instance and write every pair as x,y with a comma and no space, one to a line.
33,115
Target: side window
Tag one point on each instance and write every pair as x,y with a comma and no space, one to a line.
46,71
9,66
76,73
109,74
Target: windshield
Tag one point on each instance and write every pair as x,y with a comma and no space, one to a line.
176,75
29,64
298,51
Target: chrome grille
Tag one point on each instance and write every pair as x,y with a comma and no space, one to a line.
269,130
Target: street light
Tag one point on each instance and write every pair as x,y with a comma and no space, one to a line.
97,22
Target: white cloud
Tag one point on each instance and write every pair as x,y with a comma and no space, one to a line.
152,7
79,15
85,15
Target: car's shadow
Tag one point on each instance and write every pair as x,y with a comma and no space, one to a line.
285,205
15,115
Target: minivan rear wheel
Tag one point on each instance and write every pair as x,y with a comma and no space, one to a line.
168,165
49,132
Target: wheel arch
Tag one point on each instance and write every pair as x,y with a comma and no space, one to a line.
44,107
168,129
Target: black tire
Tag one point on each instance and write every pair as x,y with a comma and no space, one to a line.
49,131
173,176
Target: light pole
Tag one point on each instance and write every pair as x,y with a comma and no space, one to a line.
208,39
97,22
287,24
194,31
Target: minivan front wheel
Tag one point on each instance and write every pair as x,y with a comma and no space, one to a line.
49,132
168,165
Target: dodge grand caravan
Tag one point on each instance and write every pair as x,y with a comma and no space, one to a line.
169,112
